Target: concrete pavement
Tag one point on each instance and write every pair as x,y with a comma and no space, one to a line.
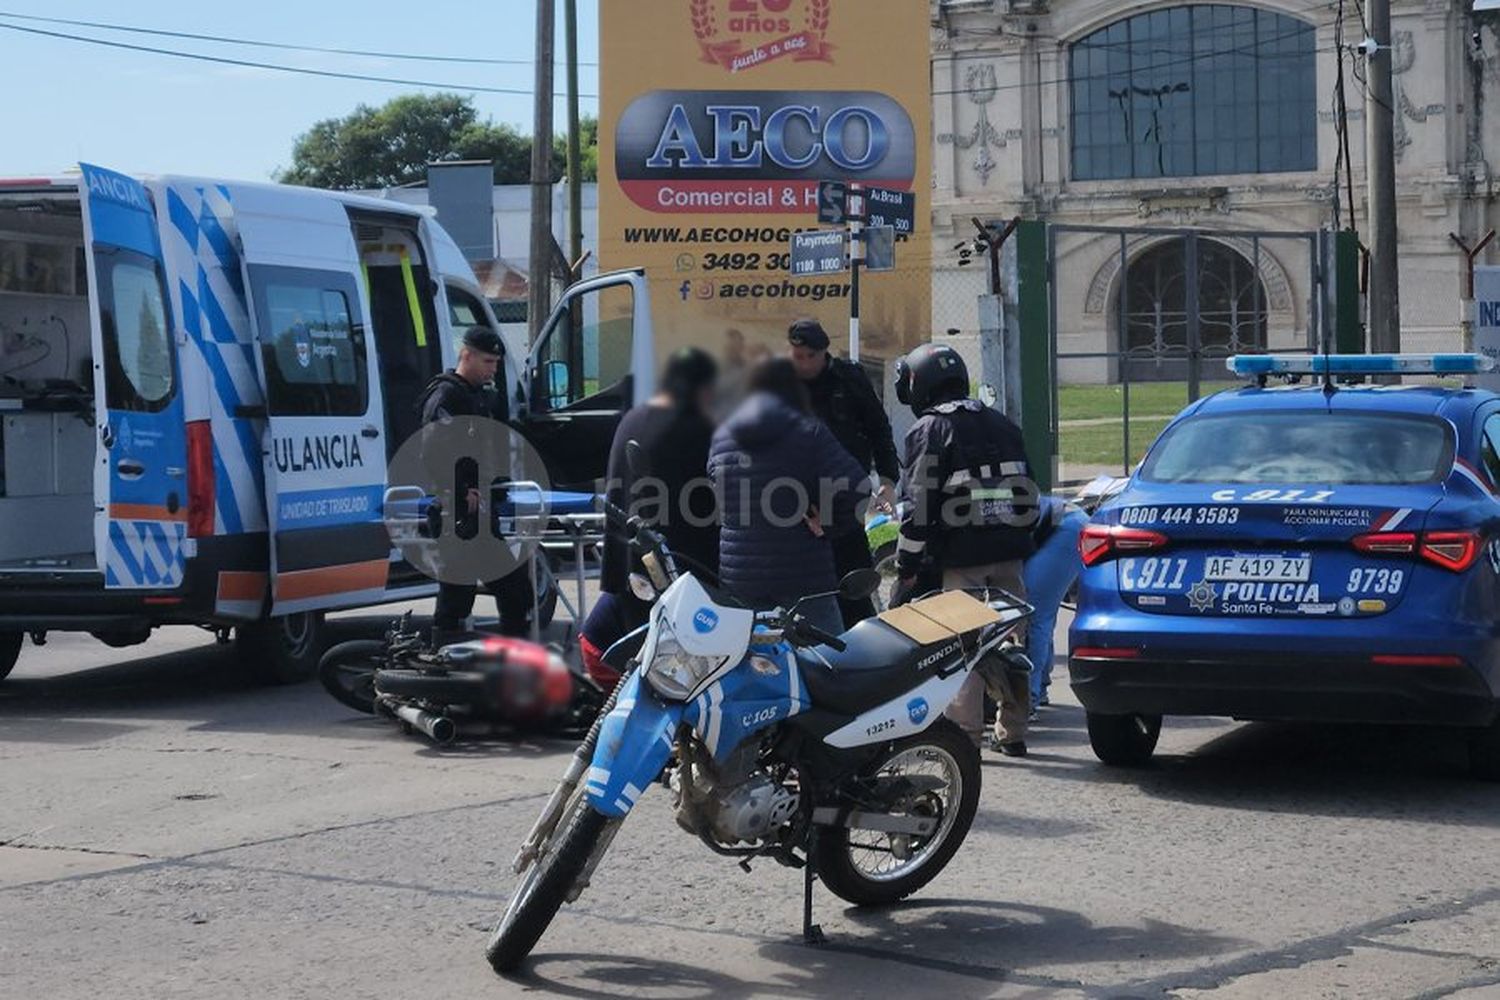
170,831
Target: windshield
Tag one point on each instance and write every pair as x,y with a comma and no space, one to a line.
1299,447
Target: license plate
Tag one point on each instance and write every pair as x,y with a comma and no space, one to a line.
1257,568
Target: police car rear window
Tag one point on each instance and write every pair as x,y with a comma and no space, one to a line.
1303,447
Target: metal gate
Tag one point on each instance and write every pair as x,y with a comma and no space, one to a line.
1139,321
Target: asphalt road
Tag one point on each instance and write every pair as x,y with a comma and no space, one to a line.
170,831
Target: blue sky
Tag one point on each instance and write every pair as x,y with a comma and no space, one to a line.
140,112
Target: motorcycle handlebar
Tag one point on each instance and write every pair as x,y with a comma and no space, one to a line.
812,631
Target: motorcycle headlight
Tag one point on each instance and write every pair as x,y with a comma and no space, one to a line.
673,673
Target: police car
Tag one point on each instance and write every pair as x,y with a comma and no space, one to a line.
1318,550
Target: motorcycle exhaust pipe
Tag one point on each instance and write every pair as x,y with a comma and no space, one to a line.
439,729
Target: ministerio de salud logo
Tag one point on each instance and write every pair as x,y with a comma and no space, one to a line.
741,34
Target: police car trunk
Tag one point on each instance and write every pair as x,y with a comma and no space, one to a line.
80,316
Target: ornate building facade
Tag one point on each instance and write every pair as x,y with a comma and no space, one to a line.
1220,118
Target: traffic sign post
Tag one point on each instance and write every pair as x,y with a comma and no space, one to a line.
831,200
888,207
873,218
854,208
880,248
818,252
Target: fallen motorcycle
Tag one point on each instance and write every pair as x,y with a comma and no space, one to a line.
777,740
493,679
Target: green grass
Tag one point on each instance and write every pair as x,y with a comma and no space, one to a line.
1103,444
1157,399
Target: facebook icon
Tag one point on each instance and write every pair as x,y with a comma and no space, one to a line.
684,289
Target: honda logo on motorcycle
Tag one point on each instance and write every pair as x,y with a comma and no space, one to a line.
705,620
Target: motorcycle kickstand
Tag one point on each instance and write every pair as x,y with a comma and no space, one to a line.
812,934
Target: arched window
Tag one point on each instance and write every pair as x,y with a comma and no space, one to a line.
1231,311
1190,91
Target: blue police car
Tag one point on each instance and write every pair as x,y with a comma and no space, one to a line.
1316,550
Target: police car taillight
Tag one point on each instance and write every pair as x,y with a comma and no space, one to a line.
1452,550
1099,542
1386,543
200,478
1455,550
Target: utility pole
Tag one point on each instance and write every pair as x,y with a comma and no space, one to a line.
539,302
1380,172
575,158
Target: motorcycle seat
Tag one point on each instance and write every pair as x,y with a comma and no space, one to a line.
879,664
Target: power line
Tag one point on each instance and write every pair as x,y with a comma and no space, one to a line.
224,60
286,46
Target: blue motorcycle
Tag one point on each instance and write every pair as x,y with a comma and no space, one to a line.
776,740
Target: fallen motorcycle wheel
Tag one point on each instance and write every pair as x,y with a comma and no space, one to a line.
546,887
347,671
871,868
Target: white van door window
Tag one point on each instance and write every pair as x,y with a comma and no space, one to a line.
315,357
139,375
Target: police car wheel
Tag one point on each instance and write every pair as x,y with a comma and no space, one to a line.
10,651
1123,740
283,650
1484,752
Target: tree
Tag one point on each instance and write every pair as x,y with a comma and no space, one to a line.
588,149
392,145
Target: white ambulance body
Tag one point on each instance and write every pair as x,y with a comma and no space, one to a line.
201,383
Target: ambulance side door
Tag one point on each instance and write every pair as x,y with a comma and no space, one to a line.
324,446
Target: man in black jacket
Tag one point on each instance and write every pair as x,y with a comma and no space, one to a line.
466,391
970,506
843,398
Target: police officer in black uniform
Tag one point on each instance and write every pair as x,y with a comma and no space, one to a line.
843,398
971,505
468,390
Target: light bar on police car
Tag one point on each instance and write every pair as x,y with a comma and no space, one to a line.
1358,364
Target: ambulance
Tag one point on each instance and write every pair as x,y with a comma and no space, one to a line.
202,382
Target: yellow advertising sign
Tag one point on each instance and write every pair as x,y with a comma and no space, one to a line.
718,120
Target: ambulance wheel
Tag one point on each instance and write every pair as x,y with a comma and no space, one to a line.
10,651
1124,740
283,650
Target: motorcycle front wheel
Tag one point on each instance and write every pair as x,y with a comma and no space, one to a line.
545,888
871,868
347,671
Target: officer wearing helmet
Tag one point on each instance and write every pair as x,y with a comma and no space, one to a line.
970,505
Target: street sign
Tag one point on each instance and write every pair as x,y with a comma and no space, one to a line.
1487,321
880,248
889,207
819,252
831,196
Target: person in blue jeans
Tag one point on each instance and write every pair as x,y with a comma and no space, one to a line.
1049,572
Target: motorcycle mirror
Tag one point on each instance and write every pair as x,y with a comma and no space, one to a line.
642,588
636,460
859,584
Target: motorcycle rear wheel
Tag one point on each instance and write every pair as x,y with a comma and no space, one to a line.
541,894
849,861
347,671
